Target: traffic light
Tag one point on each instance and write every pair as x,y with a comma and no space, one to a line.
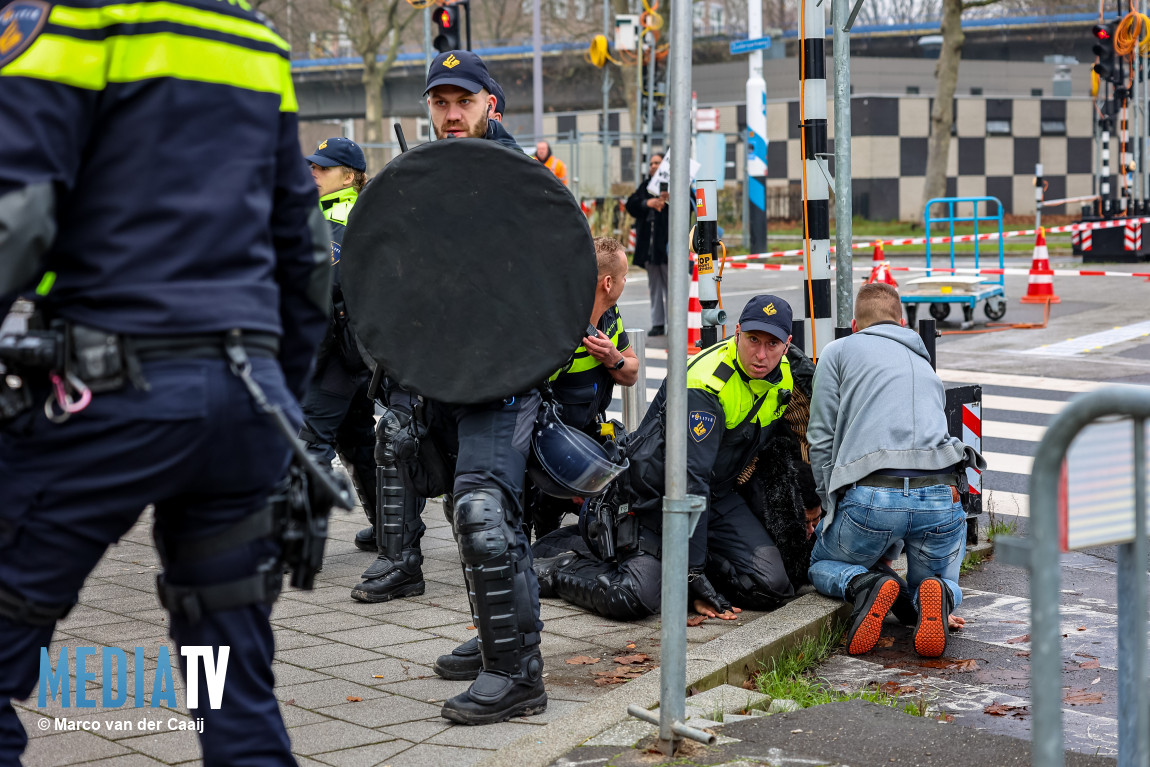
447,23
1109,66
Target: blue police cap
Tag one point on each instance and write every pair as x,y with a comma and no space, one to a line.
497,91
338,151
461,68
770,314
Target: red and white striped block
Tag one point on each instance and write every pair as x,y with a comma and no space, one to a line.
1133,237
1075,236
1086,240
631,239
972,435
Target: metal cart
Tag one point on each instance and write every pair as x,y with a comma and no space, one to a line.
940,291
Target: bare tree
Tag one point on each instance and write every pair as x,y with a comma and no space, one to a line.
375,30
942,114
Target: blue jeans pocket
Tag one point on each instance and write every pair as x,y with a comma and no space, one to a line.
854,540
941,546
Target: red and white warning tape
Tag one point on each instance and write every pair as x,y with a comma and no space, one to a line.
959,270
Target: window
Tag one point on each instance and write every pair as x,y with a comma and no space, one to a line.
1036,92
998,127
1053,127
581,9
976,91
912,90
423,129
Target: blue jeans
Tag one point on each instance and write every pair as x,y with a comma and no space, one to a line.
868,520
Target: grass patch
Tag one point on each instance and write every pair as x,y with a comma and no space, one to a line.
971,562
792,676
996,525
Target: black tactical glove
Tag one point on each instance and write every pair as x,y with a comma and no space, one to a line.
698,587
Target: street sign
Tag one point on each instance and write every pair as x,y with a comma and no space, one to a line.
706,119
746,46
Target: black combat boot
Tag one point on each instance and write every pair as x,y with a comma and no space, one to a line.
903,608
365,539
872,594
545,569
598,586
386,579
496,696
462,664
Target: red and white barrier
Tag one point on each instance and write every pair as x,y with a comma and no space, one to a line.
972,435
694,313
1086,240
1132,240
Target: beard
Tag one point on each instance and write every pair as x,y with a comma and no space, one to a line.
478,129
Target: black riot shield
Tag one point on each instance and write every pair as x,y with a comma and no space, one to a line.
468,270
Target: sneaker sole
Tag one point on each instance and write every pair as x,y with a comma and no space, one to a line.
930,634
527,708
411,590
456,676
869,629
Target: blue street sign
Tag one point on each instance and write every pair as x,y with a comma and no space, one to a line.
746,46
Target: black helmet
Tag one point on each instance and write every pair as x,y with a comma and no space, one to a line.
565,462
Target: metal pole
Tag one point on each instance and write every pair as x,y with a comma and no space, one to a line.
638,126
649,128
844,210
635,397
536,72
1133,745
605,135
427,55
676,519
755,225
816,188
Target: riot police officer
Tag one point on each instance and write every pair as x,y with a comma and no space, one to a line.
583,388
161,290
339,418
736,391
486,445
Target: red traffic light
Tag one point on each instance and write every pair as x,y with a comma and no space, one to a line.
446,19
1101,32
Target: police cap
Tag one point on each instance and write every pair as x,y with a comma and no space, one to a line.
338,151
461,68
768,313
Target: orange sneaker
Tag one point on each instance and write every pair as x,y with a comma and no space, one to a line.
934,605
873,595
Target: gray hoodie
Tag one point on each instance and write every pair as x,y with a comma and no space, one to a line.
878,404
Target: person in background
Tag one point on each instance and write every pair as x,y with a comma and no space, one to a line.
553,163
652,220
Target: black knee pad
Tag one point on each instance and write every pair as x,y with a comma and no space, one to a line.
480,525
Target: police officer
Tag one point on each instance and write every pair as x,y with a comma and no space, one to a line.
736,391
338,415
584,386
489,443
150,276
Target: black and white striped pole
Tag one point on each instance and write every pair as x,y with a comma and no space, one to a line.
1039,191
1104,183
816,177
1124,159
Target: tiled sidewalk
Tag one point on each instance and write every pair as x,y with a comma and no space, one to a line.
330,648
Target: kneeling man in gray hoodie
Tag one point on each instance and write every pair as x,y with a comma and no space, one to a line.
888,473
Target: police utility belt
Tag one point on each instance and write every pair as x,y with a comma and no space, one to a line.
80,361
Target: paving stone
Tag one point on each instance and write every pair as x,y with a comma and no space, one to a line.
286,607
432,616
85,615
554,646
364,756
294,716
328,654
69,748
171,747
432,688
586,626
329,692
419,730
456,632
625,734
493,735
327,622
728,699
391,669
287,639
382,711
312,739
783,705
424,652
323,596
556,709
426,755
119,634
124,760
378,635
286,674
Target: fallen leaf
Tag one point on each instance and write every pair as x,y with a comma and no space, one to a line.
884,642
695,620
952,664
632,659
377,676
630,646
1085,655
1081,628
471,628
1081,697
1088,664
1023,654
1019,640
621,671
1012,621
749,684
289,702
894,688
582,660
354,699
1002,709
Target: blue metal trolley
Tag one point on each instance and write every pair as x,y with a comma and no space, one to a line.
939,292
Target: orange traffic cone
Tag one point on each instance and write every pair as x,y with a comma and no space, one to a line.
880,270
694,313
1040,285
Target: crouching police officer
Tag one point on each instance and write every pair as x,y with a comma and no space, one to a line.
736,391
339,418
162,291
583,388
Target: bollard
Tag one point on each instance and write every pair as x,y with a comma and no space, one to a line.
635,397
926,330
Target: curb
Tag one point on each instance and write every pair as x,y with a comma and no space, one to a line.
727,659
